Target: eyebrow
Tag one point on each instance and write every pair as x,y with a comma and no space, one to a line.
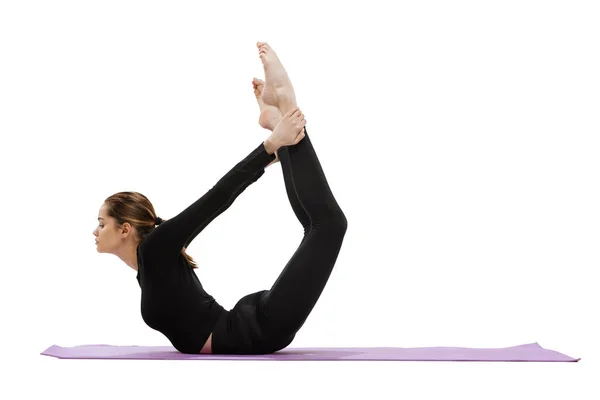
100,218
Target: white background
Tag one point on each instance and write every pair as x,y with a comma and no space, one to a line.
459,138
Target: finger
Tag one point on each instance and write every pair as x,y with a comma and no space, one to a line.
291,111
299,138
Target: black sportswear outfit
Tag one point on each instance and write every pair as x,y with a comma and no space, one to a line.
173,301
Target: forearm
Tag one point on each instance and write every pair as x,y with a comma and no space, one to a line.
272,162
271,146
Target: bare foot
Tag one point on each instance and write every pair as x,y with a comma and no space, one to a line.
269,115
278,90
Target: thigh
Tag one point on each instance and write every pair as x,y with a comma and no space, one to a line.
241,331
287,305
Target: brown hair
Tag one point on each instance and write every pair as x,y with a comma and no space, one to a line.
135,208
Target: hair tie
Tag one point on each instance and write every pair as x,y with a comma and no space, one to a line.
158,221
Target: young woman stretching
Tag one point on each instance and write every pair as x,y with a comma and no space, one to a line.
173,301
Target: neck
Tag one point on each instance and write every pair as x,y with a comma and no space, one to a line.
129,255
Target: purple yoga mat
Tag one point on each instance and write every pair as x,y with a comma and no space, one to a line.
525,352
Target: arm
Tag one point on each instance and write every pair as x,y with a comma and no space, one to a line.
276,160
271,147
177,233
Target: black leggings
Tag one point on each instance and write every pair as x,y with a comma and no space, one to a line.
267,321
286,306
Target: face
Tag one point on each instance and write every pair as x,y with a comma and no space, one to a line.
109,237
105,239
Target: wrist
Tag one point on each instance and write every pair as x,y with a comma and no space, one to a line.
271,146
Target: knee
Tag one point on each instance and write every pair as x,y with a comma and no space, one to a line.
343,222
335,225
339,222
334,222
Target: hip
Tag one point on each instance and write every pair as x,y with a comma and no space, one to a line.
239,330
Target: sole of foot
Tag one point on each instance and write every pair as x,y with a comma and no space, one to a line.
269,115
278,90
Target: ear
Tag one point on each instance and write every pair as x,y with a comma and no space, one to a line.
127,228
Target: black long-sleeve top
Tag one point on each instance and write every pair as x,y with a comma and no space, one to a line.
173,301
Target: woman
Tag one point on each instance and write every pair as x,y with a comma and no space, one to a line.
173,300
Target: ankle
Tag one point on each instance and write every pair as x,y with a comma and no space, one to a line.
286,103
274,122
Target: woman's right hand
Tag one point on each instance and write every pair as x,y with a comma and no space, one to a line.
290,129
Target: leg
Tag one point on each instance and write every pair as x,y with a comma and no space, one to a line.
286,306
292,196
268,119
